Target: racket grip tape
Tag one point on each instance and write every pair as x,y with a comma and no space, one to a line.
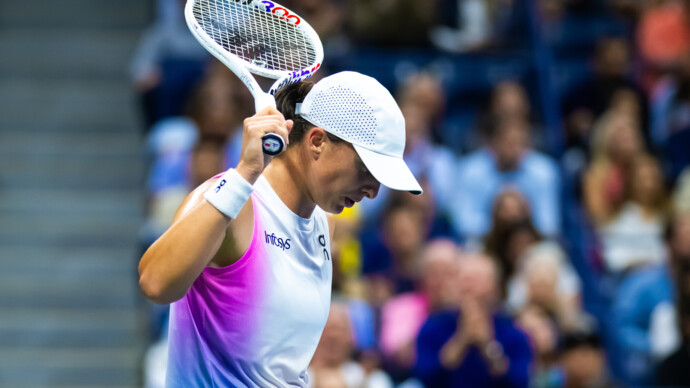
272,144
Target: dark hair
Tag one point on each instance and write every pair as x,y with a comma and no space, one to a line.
497,245
579,339
286,99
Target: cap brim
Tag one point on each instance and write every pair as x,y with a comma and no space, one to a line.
389,170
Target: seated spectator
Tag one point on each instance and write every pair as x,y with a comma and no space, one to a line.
423,92
404,314
508,101
390,255
509,247
616,141
642,311
673,371
583,362
545,278
477,346
333,364
634,233
589,100
509,208
167,65
507,161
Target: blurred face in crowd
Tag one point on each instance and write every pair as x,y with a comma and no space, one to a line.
510,101
584,365
416,124
542,285
612,57
379,289
626,102
335,346
423,203
647,182
215,116
623,140
510,206
509,143
426,93
404,229
477,280
439,272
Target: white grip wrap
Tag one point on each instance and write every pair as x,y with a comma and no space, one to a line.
229,193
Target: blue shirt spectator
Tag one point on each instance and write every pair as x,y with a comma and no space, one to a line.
643,299
473,371
506,162
476,346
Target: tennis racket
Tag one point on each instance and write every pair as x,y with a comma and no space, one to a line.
259,37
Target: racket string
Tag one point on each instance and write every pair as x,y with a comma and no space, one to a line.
261,38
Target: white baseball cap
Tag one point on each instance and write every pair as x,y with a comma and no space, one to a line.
359,110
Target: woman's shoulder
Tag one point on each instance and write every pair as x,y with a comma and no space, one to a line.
193,199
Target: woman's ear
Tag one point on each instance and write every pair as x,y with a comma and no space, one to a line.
316,141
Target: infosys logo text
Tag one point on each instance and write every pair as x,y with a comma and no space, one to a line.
277,241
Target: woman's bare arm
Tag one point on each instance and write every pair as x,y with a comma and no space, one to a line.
171,264
177,258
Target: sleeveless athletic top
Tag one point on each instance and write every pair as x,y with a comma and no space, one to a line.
256,323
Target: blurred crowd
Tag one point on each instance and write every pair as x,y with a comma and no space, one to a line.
551,247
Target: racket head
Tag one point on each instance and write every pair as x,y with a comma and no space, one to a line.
262,36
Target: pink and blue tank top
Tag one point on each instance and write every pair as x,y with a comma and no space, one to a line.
256,323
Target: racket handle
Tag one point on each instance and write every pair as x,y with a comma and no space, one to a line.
272,144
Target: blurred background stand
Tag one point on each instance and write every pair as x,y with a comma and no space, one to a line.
71,194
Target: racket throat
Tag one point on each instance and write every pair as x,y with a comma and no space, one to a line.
263,100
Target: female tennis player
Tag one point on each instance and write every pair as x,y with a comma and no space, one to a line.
250,280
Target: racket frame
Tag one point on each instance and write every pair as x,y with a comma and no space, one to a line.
244,69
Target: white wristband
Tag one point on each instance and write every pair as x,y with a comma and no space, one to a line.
230,193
